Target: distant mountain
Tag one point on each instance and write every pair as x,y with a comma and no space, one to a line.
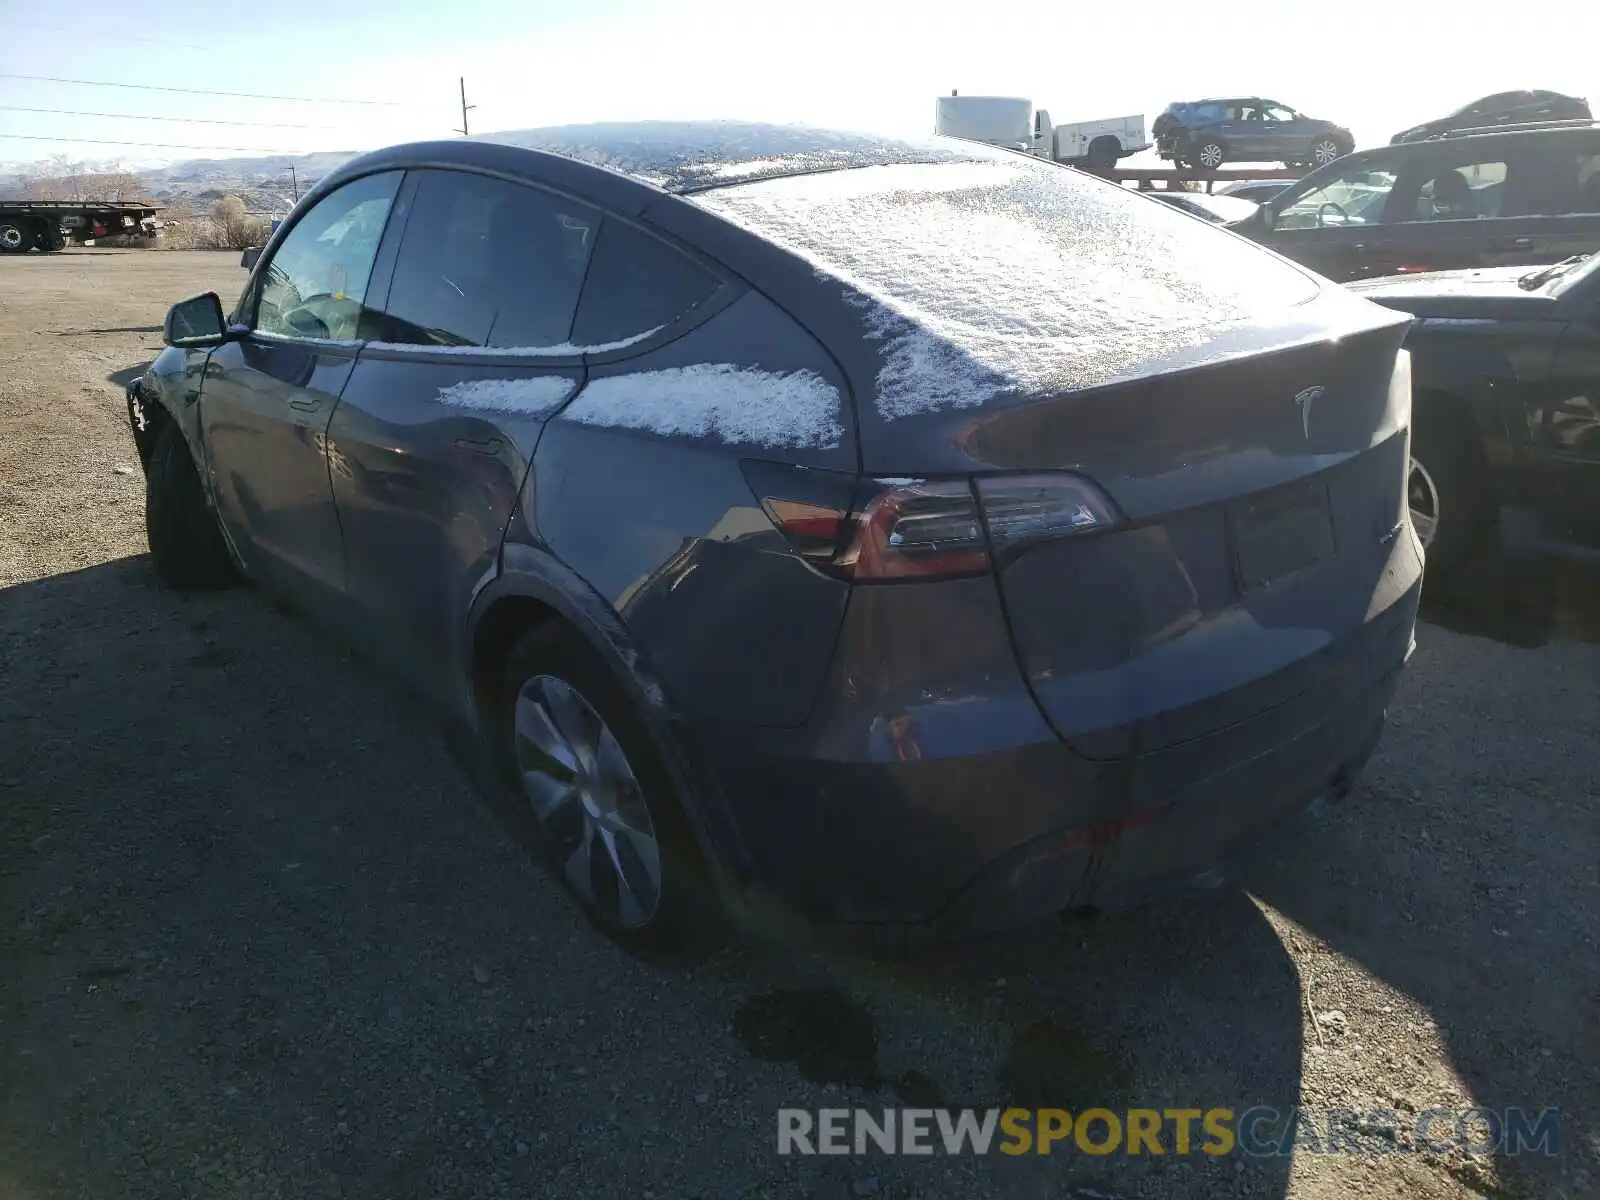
264,184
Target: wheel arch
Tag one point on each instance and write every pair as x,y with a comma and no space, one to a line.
533,588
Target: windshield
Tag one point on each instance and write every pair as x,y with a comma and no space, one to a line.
1353,197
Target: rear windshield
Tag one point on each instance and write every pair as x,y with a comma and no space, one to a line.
1011,275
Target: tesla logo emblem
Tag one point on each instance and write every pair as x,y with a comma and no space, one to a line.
1303,401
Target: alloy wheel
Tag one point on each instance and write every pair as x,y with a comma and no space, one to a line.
587,798
1422,498
1211,156
1325,152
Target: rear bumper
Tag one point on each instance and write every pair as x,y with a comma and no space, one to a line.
912,843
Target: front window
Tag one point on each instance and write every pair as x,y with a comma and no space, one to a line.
1353,197
315,287
1277,112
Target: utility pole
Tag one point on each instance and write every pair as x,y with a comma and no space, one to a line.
463,131
294,182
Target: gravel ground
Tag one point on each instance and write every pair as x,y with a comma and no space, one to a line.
259,937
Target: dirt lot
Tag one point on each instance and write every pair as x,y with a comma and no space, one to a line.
258,937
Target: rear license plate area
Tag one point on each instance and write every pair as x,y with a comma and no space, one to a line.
1281,534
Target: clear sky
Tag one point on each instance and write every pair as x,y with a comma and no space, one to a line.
1375,66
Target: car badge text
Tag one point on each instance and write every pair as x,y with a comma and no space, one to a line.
1303,401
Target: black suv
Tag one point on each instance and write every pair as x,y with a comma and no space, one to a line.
1502,108
1208,133
1518,197
1506,378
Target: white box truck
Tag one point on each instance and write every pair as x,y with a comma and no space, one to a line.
1013,122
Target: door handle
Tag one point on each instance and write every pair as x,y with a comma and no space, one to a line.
306,404
1517,243
489,446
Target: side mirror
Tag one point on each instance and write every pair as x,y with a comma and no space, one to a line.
196,321
248,259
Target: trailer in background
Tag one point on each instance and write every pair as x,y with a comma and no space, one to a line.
1013,122
49,225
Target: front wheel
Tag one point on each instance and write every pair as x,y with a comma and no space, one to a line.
186,544
14,239
588,769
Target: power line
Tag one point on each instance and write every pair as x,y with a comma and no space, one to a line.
29,137
151,87
72,112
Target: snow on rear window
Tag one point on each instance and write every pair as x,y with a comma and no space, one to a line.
737,405
985,280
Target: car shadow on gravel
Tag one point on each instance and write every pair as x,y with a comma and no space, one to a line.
1461,873
259,937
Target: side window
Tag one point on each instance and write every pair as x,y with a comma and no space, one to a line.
1462,193
637,284
1277,112
1563,182
315,286
1353,197
484,262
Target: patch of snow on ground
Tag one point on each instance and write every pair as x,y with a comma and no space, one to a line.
737,405
527,397
986,280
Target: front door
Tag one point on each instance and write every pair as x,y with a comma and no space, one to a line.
267,398
1338,226
431,442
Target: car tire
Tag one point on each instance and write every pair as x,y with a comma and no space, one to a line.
1208,154
15,237
186,544
1446,475
579,753
1325,150
1103,154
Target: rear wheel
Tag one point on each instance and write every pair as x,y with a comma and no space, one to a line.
186,544
1208,153
1103,153
14,238
49,238
612,831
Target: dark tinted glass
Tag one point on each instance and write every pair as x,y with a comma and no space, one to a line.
488,263
637,284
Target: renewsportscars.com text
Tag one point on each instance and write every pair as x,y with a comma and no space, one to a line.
1258,1131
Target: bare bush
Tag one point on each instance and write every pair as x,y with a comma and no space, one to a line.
227,227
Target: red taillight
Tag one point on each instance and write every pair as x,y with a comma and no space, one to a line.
901,529
925,529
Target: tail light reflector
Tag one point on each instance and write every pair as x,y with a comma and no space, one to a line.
898,529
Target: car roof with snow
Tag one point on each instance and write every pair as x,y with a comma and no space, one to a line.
691,156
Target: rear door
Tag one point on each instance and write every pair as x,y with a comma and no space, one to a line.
267,397
439,421
1564,188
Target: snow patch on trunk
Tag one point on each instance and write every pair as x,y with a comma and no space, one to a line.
737,405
